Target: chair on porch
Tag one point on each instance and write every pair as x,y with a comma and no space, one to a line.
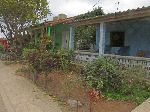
141,53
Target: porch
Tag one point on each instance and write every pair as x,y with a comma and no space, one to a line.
125,38
123,35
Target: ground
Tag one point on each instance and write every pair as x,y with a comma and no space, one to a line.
17,94
2,106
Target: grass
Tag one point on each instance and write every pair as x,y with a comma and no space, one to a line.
9,62
136,94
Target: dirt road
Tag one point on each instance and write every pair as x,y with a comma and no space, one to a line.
17,94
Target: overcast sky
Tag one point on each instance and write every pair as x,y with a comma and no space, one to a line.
75,7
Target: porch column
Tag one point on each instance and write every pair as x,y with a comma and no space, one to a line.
102,38
49,31
97,36
71,41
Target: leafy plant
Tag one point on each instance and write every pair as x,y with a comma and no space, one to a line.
26,52
1,48
17,16
102,75
66,57
117,82
85,36
135,84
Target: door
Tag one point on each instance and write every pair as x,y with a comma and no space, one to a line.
65,39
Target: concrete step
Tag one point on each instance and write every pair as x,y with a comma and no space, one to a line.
144,107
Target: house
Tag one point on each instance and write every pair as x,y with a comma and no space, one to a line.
124,36
57,30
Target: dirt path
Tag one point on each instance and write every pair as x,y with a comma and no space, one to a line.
20,95
2,106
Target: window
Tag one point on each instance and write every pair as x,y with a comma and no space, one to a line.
117,39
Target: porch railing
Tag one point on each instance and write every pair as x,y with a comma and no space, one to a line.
85,56
130,61
127,61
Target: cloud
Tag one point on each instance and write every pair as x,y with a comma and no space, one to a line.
69,7
75,7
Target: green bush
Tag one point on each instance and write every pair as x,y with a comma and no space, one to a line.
135,84
66,56
43,61
118,82
102,75
1,48
26,52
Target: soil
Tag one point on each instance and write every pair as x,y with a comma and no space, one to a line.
18,94
56,87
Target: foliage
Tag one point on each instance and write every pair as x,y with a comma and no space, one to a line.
43,61
96,12
26,52
25,69
31,44
85,36
66,56
44,43
135,84
69,83
16,17
1,48
117,82
9,62
102,75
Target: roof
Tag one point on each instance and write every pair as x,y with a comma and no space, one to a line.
117,16
66,20
52,23
3,39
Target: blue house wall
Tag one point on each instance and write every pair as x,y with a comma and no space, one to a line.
137,34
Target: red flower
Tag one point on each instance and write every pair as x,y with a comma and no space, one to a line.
92,95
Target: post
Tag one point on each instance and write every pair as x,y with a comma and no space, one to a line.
97,36
102,38
49,31
71,41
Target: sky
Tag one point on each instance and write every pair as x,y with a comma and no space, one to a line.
76,7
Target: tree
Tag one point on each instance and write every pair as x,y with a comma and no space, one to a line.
86,35
16,17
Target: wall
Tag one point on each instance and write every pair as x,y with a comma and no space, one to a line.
137,34
57,33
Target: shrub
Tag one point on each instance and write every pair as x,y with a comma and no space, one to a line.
135,84
117,82
66,57
1,48
102,75
43,61
26,52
